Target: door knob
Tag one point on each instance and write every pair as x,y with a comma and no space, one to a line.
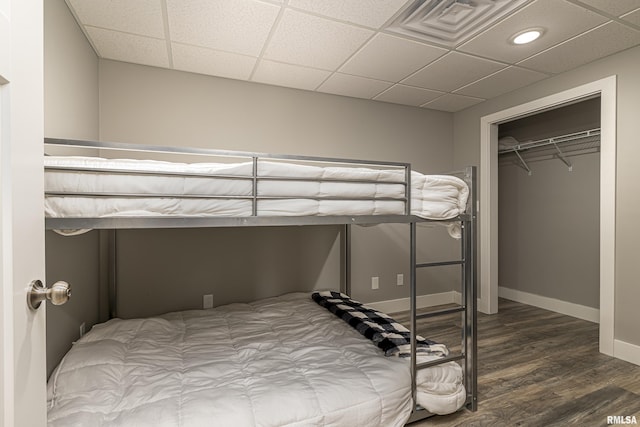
58,293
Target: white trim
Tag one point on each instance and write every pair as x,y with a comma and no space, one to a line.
422,301
608,137
457,297
488,212
552,304
626,351
488,233
7,384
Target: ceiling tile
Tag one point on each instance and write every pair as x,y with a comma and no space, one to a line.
391,58
363,12
216,63
129,48
452,71
633,17
359,87
566,21
315,42
277,73
503,81
600,42
239,26
142,17
408,95
336,46
613,7
452,102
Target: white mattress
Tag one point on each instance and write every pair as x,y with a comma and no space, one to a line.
275,362
432,196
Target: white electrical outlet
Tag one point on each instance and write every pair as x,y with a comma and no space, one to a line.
207,301
400,279
82,326
375,282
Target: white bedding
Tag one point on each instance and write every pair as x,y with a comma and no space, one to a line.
432,196
275,362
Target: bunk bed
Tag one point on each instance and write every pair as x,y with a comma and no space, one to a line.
312,355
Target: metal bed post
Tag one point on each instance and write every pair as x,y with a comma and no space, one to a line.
254,187
345,285
111,274
471,300
413,309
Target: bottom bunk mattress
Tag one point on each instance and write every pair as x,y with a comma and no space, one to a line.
282,361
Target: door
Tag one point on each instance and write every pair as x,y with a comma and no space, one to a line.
22,337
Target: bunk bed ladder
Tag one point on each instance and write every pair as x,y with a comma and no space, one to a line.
468,305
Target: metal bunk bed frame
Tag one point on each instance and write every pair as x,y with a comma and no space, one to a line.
467,261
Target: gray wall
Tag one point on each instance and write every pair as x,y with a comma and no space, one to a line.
169,270
549,229
626,66
71,111
563,120
70,78
147,105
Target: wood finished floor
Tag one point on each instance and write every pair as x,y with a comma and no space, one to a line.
538,368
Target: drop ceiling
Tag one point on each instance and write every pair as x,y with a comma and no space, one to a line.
455,55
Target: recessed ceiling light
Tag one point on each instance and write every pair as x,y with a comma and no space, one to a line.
526,36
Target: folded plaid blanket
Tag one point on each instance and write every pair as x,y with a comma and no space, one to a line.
392,337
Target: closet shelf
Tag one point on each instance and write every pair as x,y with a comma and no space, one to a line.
559,147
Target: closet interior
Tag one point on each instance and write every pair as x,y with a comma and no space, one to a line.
549,192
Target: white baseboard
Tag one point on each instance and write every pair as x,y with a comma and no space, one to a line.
626,351
563,307
457,297
422,301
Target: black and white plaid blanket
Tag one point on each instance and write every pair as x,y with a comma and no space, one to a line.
392,337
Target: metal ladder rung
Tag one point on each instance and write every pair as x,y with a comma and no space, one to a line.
440,312
436,264
435,362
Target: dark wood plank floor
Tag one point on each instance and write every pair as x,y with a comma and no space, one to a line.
538,368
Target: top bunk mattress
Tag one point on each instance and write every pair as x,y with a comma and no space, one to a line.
91,187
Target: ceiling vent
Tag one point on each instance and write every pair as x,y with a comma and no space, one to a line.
450,22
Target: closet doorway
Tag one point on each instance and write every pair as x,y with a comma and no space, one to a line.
488,206
549,209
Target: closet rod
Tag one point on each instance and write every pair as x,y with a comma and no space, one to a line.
552,141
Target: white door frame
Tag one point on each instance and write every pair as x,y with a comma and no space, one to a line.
23,346
6,291
488,251
6,294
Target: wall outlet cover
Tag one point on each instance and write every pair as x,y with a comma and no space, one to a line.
207,301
